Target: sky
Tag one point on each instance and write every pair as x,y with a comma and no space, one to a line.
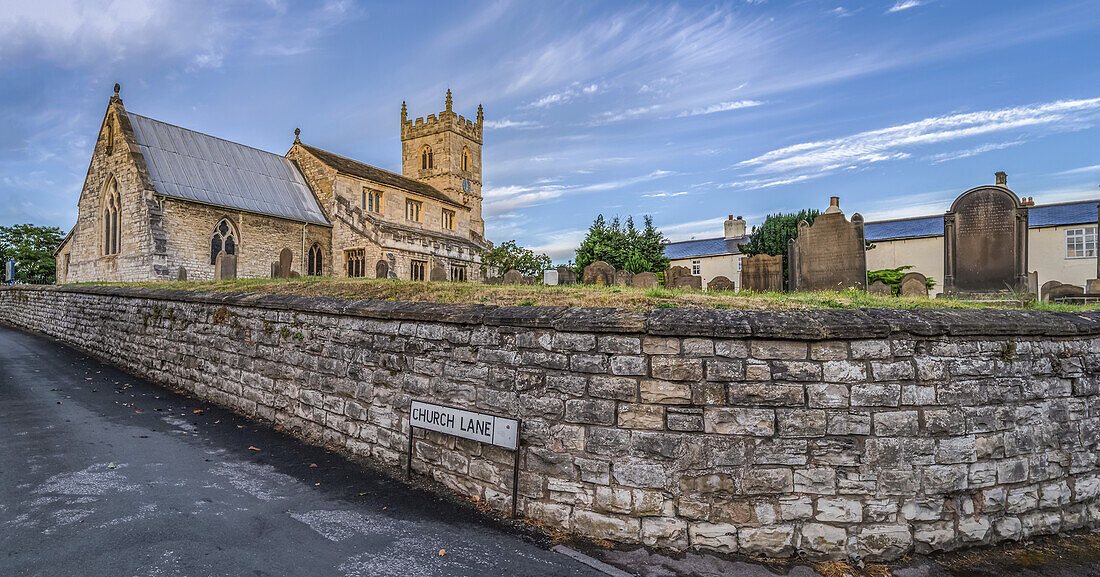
688,112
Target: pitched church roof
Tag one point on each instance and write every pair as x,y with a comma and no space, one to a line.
1041,215
375,174
194,166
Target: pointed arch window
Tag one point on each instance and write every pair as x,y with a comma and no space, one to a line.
112,205
465,159
223,239
316,260
426,158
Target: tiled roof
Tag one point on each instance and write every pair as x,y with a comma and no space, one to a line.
704,247
375,174
1061,214
194,166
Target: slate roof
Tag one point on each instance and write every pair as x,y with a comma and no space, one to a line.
198,167
704,247
375,174
1061,214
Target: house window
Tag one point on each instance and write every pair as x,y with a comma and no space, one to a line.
426,158
1081,242
448,219
112,205
355,262
372,200
224,240
412,210
458,273
418,268
316,260
695,267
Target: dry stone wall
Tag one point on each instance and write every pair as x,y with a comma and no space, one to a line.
872,432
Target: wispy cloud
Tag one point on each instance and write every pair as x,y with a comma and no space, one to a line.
896,142
1079,170
968,152
563,96
904,5
664,194
505,199
506,123
721,107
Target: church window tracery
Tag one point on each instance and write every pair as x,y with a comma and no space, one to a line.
223,239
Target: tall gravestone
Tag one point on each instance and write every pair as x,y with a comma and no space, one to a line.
675,272
985,243
225,266
437,274
181,273
286,263
830,254
762,273
566,275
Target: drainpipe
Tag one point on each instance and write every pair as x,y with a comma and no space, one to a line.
302,264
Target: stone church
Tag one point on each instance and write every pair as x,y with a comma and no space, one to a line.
161,202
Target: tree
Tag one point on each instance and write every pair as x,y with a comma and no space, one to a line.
621,245
775,234
507,256
32,248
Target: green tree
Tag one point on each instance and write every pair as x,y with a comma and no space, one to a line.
772,237
621,245
32,248
507,256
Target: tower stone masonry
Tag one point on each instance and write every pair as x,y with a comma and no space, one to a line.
444,151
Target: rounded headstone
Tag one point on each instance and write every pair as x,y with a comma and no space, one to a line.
599,273
880,288
913,284
690,281
623,278
644,280
721,283
513,277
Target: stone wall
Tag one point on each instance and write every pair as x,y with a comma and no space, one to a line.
872,432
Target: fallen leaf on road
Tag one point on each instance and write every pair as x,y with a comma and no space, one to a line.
197,411
251,448
316,484
112,465
442,552
313,464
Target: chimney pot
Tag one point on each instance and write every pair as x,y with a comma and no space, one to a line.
731,217
1002,178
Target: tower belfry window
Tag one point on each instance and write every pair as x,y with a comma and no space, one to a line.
465,159
426,158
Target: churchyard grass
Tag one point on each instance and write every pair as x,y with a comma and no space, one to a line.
579,295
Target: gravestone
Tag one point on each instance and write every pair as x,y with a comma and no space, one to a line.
181,273
550,277
880,288
985,243
913,284
1093,286
645,280
830,254
382,270
274,270
762,273
513,277
437,274
1064,290
225,266
286,260
721,283
294,274
690,281
675,272
1044,292
623,278
1033,283
566,275
599,273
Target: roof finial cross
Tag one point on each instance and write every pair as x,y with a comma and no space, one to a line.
297,131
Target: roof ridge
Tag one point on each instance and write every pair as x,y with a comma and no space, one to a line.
1051,204
151,119
349,159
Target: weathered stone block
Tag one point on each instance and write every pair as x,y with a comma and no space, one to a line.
664,532
641,475
610,527
844,371
590,411
720,537
768,541
731,421
801,422
641,416
883,542
618,388
676,369
759,481
823,539
665,392
780,350
839,510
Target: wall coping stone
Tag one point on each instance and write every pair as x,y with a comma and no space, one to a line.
811,325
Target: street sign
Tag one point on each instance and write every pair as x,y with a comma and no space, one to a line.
499,431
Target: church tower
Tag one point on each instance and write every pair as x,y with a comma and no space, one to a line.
445,152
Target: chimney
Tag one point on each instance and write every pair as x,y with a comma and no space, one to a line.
1002,178
834,205
735,227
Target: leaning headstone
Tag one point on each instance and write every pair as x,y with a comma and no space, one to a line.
644,280
437,274
286,263
913,284
513,277
599,273
181,273
623,278
762,273
830,254
566,275
880,288
985,243
675,272
690,281
1064,290
1044,292
225,266
721,283
550,277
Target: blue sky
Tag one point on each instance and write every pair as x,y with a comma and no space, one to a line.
688,112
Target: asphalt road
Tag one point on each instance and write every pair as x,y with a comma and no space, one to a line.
105,474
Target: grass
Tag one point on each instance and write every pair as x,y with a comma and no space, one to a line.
578,295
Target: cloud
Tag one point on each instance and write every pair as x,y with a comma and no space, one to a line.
505,123
498,200
1079,170
563,96
618,115
664,194
904,5
851,152
968,152
720,107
